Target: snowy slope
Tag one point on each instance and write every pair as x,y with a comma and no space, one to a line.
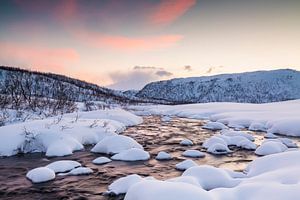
250,87
48,85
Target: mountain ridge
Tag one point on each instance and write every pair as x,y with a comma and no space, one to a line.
246,87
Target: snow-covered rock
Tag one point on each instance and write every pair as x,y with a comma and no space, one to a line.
218,149
273,162
212,141
185,164
289,127
186,142
270,147
162,155
115,144
79,171
246,144
166,119
288,142
165,190
193,154
256,126
214,126
231,133
133,154
121,185
40,174
58,149
270,136
63,165
185,179
210,177
101,160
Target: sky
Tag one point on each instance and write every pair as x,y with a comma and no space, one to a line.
124,44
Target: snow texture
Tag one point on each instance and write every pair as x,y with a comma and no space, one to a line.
40,174
132,154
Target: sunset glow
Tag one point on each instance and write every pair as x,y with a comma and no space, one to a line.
104,41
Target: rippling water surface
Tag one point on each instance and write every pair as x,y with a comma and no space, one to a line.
153,134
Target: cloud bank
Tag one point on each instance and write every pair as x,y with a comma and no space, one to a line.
137,78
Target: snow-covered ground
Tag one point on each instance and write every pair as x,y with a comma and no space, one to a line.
62,135
272,177
280,117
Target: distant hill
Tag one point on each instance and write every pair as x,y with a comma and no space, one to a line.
18,82
249,87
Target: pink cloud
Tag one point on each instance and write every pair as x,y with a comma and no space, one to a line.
39,58
169,10
129,43
66,10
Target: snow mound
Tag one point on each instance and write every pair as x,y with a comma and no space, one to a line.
185,179
218,149
273,162
40,174
166,119
231,133
211,177
60,136
133,154
214,126
165,190
101,160
185,164
288,142
212,141
193,154
115,144
79,171
163,156
186,142
289,127
246,144
63,165
270,147
58,149
270,136
121,185
256,126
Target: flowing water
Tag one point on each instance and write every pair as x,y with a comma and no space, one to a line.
154,134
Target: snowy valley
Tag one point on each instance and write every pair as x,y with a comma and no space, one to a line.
138,151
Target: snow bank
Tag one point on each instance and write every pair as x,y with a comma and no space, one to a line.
60,136
40,174
159,190
133,154
211,177
273,176
115,144
280,117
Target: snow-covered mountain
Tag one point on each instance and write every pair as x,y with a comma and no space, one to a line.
250,87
